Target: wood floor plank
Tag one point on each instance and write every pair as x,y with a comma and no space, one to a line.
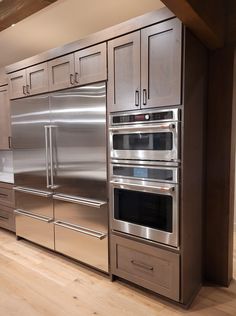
38,282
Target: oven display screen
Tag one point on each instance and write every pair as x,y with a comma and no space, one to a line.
140,172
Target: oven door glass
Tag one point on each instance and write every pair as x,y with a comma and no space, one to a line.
143,141
144,209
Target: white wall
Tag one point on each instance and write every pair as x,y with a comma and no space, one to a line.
66,21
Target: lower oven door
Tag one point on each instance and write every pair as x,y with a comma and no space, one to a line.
146,209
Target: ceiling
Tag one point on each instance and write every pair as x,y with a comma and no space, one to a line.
14,11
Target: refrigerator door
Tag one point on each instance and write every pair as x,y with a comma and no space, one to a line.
79,135
29,116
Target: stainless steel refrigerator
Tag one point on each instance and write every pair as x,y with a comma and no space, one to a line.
59,152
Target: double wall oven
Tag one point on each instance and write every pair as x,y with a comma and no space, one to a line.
144,174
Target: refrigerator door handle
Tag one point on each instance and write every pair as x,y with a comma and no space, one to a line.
79,200
46,155
81,229
40,218
51,156
31,191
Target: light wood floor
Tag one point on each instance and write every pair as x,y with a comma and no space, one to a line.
34,282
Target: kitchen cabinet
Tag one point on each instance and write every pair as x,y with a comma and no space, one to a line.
7,204
144,68
29,81
5,129
79,68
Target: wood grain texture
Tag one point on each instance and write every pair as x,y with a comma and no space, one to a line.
231,22
220,182
14,11
206,19
37,282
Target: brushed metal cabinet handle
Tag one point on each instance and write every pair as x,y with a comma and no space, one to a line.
82,201
51,157
24,90
27,89
139,186
144,96
142,265
9,142
77,77
72,82
46,156
137,98
33,192
40,218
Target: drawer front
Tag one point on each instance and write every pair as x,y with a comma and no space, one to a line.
82,215
7,197
81,246
37,229
147,266
7,218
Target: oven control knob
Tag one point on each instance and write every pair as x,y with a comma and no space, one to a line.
147,117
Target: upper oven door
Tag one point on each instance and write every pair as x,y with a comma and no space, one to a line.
145,141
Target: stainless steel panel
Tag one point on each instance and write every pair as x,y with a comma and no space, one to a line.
81,245
34,203
34,228
83,215
80,141
29,116
169,238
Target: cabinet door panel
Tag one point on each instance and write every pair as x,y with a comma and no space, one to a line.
161,64
61,72
124,72
17,84
90,64
37,79
5,131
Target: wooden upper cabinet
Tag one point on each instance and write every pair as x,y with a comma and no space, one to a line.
37,79
90,65
61,72
124,73
17,84
83,67
29,81
5,128
161,64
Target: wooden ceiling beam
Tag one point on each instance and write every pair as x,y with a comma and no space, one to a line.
206,19
14,11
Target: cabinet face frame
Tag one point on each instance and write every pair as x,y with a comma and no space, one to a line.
113,45
173,49
67,79
97,55
5,125
42,70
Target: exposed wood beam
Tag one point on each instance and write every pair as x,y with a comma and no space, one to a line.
206,19
14,11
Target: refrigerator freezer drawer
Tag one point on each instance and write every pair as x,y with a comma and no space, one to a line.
92,214
35,228
82,244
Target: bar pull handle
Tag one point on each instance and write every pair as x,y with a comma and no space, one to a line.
72,82
142,265
137,98
81,229
144,96
139,186
51,157
27,89
139,128
34,192
9,142
40,218
46,156
77,77
79,200
24,90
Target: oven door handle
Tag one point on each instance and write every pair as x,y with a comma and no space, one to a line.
126,185
138,128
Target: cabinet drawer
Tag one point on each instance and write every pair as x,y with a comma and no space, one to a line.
7,197
82,244
7,218
147,266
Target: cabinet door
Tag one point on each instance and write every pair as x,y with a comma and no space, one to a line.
161,64
90,64
17,84
5,131
61,72
37,79
124,73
